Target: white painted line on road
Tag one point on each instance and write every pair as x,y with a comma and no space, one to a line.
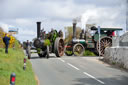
73,66
61,60
94,78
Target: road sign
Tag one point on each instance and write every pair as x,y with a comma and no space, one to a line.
13,30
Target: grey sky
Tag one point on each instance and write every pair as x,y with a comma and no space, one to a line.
58,13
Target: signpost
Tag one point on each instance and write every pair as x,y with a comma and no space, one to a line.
13,30
99,39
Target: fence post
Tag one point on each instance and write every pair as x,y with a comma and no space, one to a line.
12,79
24,67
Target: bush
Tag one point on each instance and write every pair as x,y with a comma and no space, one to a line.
88,53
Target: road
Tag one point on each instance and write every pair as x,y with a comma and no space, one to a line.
76,71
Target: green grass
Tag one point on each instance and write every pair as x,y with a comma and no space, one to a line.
13,62
69,52
88,53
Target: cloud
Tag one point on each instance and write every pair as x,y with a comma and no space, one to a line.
101,16
4,27
57,14
100,3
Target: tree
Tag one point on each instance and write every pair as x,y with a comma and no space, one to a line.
69,33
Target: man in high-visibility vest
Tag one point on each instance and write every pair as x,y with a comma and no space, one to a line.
6,40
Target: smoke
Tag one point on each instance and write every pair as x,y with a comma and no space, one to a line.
85,17
105,17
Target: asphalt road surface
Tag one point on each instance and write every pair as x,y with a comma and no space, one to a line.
76,71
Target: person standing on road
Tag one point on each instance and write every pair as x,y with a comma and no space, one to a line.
28,48
6,40
27,43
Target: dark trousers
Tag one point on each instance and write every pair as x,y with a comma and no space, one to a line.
6,48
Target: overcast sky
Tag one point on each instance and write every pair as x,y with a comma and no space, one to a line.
57,14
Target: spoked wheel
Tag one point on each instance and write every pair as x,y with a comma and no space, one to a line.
104,43
78,49
69,49
59,47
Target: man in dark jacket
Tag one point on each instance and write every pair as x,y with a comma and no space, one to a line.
6,42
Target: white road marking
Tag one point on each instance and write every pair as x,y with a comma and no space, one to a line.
61,60
94,78
83,72
73,66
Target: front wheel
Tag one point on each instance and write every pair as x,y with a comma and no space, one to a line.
78,49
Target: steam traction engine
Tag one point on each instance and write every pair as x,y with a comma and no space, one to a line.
49,43
89,41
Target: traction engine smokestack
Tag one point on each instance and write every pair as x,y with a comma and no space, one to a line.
74,29
38,29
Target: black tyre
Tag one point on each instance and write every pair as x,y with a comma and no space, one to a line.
59,47
78,49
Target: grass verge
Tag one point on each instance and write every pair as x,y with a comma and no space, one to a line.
13,62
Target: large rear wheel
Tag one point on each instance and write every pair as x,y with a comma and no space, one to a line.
104,43
59,47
